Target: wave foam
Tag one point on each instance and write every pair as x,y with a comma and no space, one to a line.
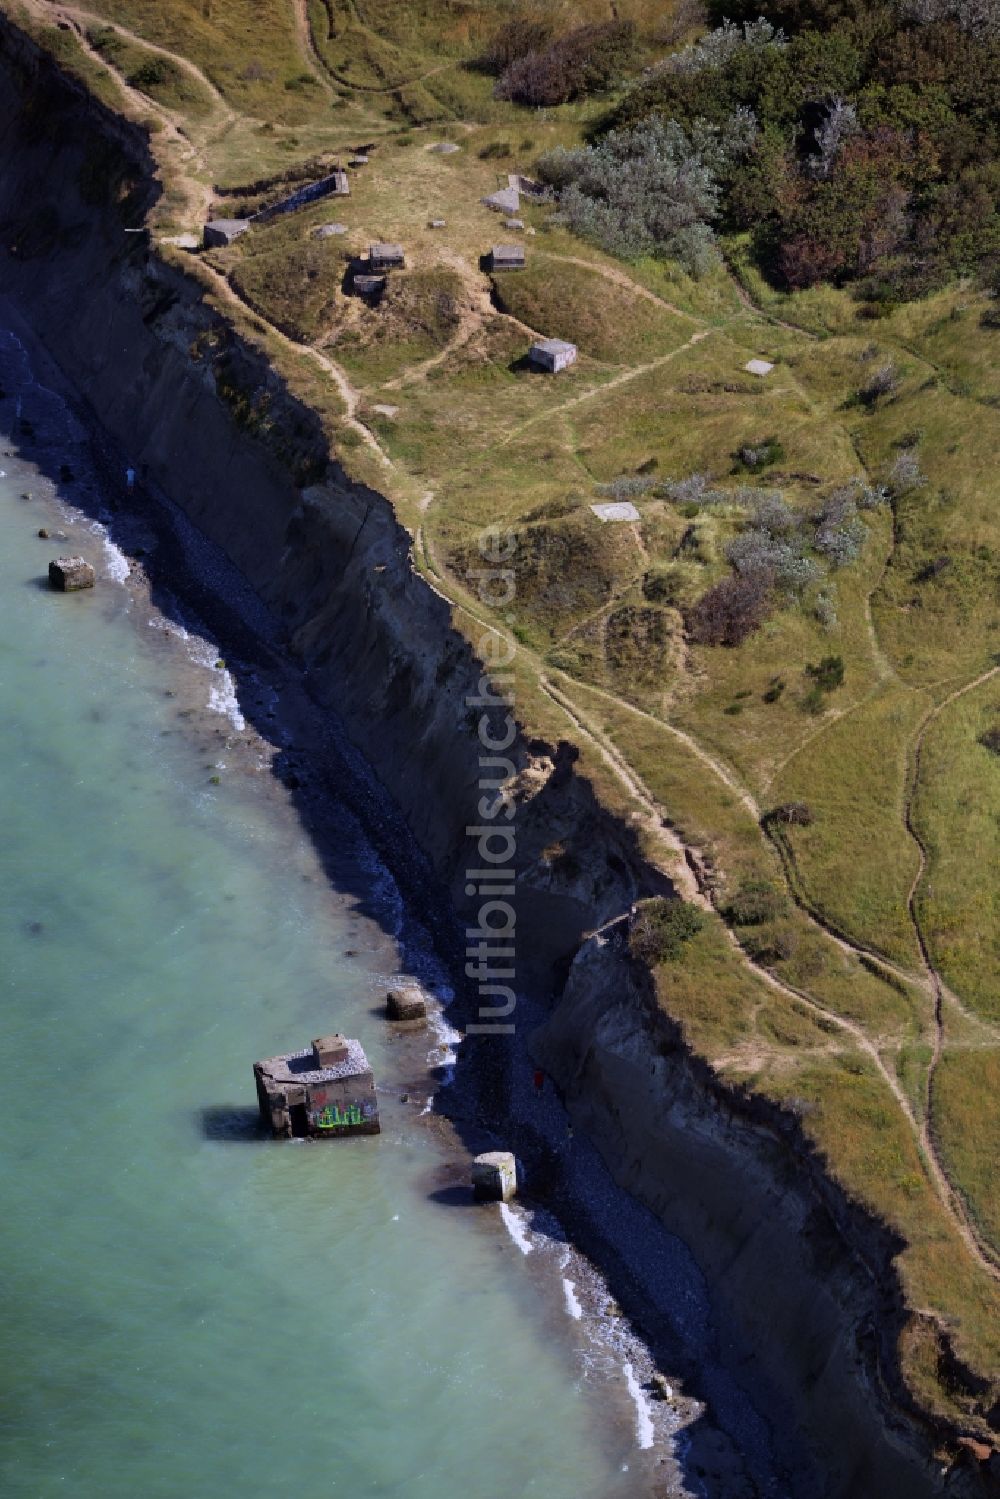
644,1430
573,1306
515,1226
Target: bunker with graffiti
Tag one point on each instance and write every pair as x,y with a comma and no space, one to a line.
323,1093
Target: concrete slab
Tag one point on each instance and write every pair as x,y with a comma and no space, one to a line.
616,510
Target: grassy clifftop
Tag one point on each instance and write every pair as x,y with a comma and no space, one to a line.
825,756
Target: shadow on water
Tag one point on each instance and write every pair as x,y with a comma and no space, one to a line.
458,1195
233,1124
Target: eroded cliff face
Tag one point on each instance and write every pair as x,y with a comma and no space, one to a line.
210,424
736,1180
183,397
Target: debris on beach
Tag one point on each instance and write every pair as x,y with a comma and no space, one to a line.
406,1001
70,574
494,1176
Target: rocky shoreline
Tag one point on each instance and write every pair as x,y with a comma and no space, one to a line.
359,632
262,726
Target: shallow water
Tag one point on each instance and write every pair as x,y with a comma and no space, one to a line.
190,1310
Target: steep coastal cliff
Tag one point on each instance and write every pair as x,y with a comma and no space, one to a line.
804,1280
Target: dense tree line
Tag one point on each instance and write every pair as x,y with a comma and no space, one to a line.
876,153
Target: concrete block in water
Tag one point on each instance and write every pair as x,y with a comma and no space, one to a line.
68,574
304,1094
494,1176
406,1002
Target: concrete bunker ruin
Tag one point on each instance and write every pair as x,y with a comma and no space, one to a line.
552,355
322,1093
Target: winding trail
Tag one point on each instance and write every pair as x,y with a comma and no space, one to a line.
179,60
954,1205
310,52
173,126
348,394
681,867
941,995
620,278
769,317
635,373
307,43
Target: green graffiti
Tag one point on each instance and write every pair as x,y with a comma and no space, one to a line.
335,1119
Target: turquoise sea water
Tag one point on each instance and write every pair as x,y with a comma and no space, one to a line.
188,1311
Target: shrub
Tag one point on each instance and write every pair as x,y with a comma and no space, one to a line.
626,487
719,47
840,532
825,610
663,586
694,490
990,739
842,544
770,512
871,496
774,691
905,475
792,815
881,383
754,456
828,674
584,61
730,611
662,927
932,569
840,121
494,150
776,945
753,903
756,553
516,38
981,18
651,190
151,74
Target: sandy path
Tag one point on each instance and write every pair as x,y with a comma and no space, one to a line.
309,50
348,394
620,278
